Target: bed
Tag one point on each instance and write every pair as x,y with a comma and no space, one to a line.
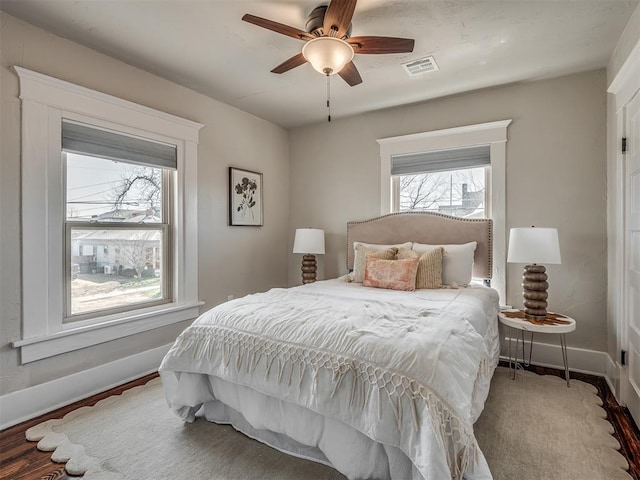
377,383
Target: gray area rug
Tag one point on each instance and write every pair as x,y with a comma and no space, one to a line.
532,428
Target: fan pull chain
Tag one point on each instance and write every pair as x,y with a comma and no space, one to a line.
329,97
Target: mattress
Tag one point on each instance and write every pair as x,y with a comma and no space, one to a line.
376,383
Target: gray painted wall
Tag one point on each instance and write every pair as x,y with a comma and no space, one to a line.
232,260
627,41
556,162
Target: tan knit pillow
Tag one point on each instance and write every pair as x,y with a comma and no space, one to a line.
429,267
360,260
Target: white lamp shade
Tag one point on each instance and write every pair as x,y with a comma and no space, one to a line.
309,241
327,55
534,245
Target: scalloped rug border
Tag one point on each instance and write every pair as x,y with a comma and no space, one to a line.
51,437
539,428
76,460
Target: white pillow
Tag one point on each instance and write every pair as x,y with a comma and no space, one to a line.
378,246
457,263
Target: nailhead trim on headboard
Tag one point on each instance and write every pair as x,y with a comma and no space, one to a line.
487,221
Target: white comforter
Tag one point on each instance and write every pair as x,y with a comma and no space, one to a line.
409,370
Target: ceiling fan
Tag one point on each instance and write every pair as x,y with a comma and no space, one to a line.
329,47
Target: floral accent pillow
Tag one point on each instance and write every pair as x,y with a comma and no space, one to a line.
361,255
392,274
429,266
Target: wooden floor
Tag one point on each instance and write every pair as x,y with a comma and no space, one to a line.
21,460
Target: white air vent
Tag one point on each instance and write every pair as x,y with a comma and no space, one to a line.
420,66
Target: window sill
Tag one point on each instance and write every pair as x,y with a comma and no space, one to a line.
75,338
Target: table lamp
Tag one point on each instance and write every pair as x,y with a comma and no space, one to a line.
309,241
534,246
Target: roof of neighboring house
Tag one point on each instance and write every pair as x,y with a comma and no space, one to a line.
121,215
117,235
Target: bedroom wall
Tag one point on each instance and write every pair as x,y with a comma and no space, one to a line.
233,261
625,45
555,176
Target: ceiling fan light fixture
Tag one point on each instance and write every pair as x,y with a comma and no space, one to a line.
327,55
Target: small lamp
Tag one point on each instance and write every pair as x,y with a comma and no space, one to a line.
309,241
534,246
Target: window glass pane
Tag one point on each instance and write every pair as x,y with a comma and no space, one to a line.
114,268
101,190
460,193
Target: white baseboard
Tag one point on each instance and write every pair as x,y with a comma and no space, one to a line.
612,376
580,359
16,407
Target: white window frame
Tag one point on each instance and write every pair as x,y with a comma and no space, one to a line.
493,134
45,102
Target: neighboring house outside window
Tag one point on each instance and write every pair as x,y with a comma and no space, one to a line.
109,218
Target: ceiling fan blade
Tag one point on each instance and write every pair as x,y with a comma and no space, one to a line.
338,17
350,74
292,62
381,44
278,27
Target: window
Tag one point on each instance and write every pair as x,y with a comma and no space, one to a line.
109,217
453,181
460,193
457,171
117,195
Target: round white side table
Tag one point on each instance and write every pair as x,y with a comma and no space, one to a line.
565,325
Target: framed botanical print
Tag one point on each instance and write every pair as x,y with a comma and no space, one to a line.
245,197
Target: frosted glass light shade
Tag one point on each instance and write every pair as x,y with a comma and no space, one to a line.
327,55
309,241
534,245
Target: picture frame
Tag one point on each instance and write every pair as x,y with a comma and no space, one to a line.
245,198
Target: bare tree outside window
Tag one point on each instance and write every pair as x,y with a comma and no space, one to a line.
140,186
105,190
456,192
422,192
136,250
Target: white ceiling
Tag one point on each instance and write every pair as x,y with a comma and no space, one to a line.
205,46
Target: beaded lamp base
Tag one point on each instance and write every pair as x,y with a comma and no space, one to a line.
308,269
534,291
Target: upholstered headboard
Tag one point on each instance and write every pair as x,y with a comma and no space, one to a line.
429,228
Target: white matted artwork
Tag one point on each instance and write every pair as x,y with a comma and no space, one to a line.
245,197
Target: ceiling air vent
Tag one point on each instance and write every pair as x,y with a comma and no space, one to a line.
420,66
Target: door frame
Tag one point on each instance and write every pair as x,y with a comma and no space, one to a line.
621,90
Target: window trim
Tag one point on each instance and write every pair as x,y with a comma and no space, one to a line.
492,133
45,101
